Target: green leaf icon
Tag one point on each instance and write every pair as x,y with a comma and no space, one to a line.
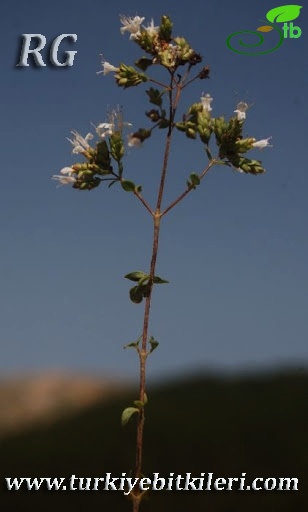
284,13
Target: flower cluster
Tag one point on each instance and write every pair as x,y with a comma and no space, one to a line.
170,52
228,134
110,145
157,41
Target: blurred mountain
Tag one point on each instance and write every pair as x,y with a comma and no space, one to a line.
253,425
35,399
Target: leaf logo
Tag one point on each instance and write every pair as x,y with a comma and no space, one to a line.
284,13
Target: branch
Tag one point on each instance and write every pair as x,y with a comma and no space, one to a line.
178,199
144,203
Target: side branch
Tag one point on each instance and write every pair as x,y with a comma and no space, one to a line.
143,201
181,196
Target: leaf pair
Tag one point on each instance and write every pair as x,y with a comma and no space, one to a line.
130,411
194,181
142,289
135,344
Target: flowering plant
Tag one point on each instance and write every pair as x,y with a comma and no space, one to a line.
104,161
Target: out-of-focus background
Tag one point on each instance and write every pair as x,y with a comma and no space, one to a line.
229,380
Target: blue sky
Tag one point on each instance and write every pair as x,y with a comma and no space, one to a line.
235,251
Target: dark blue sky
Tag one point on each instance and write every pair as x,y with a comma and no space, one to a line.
235,251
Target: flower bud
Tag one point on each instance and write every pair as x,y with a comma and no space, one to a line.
165,29
243,145
129,77
154,115
191,133
204,73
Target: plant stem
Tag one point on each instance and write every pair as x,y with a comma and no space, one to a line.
143,353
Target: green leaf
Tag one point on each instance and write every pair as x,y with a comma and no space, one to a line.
163,123
144,289
136,276
195,178
103,172
143,281
102,155
284,13
133,344
155,96
154,344
128,186
159,280
138,404
144,63
190,185
127,414
221,162
136,295
139,189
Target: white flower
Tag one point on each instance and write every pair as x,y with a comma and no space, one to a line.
240,115
151,30
67,170
131,25
241,110
107,68
104,129
80,143
115,124
67,176
263,143
206,102
133,142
